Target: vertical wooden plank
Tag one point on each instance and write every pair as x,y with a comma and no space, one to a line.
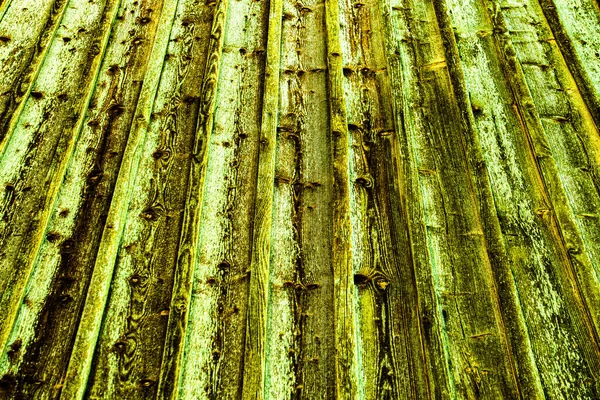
343,274
27,29
389,338
572,174
80,363
239,126
44,134
403,73
300,353
471,324
576,276
521,195
49,147
579,269
256,328
283,350
467,48
169,382
313,196
22,51
214,339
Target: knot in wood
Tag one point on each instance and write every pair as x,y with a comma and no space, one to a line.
365,181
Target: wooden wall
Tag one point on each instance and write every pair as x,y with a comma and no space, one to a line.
307,199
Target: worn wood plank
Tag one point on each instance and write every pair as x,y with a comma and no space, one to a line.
40,142
498,135
138,307
258,296
238,132
400,57
80,363
214,340
22,53
475,345
346,373
388,327
300,347
513,323
313,193
169,382
571,136
51,144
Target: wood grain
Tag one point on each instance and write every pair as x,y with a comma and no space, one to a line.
354,199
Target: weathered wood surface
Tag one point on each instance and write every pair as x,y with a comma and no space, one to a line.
300,199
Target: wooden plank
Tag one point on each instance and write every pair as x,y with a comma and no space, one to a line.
388,324
258,296
313,193
238,131
475,346
504,134
80,362
169,383
576,27
400,58
571,136
214,339
49,149
346,374
512,314
39,142
300,351
26,29
136,319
